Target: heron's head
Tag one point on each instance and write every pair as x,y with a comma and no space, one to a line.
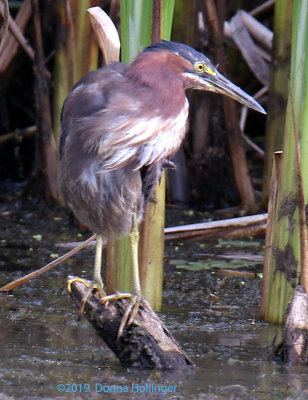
195,70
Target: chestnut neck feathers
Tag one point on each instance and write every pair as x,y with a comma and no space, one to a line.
161,72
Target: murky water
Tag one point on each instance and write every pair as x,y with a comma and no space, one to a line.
45,353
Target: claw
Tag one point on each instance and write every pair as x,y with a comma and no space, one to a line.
130,312
76,279
116,296
129,315
136,301
91,286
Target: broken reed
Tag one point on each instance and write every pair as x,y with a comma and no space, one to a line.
285,257
275,179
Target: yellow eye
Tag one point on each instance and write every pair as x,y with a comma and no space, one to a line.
199,67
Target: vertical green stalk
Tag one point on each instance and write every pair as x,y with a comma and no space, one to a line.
286,259
136,27
278,91
136,23
151,247
167,18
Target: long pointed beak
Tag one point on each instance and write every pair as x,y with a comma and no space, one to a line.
219,84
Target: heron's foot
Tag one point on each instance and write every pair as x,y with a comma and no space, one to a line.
130,312
91,285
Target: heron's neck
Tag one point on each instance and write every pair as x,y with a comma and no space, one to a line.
164,84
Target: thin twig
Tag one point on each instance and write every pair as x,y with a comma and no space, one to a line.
11,44
18,133
5,26
243,118
35,274
244,110
16,32
254,146
263,7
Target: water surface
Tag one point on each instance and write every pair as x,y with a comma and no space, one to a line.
45,350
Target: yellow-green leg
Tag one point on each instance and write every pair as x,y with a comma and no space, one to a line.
134,239
133,307
96,282
97,277
132,310
135,284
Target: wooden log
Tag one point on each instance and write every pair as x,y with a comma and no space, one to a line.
146,343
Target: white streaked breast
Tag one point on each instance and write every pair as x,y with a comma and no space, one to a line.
146,142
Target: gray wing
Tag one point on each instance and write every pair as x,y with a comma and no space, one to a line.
126,124
89,96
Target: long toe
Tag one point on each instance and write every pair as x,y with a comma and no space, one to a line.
91,285
130,311
130,314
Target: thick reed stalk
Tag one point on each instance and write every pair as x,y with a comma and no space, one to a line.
286,258
278,89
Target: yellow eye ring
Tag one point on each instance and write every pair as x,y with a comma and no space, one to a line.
199,67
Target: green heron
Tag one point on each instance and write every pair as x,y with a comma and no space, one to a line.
120,124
